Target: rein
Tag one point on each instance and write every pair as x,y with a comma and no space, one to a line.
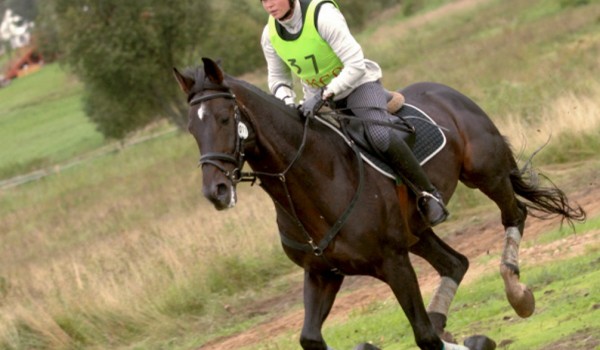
311,246
236,176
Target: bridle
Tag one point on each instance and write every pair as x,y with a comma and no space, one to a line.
236,176
237,158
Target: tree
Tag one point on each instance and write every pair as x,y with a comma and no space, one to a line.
236,38
123,52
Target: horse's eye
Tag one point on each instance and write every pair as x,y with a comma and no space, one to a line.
224,120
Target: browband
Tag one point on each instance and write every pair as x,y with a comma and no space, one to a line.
199,99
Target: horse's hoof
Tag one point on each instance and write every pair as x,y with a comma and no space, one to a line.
480,342
448,337
366,346
522,301
519,295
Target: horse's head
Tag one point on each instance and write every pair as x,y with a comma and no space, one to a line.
214,121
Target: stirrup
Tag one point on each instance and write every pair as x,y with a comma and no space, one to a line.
425,204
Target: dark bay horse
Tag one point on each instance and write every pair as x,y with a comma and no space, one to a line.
338,217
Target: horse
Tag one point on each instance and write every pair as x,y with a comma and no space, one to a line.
338,217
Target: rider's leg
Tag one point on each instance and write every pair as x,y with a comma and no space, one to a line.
403,161
368,101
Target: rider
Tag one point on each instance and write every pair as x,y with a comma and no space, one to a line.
311,39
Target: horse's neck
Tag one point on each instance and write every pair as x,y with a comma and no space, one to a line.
278,134
295,172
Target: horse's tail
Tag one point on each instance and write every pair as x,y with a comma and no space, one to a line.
545,201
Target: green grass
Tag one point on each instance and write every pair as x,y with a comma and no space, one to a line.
122,252
565,230
42,122
505,62
566,297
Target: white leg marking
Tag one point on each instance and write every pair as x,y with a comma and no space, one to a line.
443,296
511,246
450,346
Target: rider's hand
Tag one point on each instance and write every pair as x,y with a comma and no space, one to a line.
312,105
327,94
289,101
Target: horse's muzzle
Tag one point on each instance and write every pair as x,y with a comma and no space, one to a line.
221,194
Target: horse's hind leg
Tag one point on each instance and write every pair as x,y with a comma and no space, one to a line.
319,294
519,295
451,266
494,180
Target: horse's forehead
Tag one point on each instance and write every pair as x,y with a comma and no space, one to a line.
205,107
201,112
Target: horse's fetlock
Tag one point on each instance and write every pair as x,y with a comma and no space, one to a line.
430,343
311,344
438,321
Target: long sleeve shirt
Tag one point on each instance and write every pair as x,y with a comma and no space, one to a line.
334,30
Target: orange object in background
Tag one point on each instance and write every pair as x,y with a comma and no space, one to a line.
28,61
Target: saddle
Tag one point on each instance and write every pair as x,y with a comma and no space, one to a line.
422,134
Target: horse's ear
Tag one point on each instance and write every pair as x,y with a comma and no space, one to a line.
212,71
184,82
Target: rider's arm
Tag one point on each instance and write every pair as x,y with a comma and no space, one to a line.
279,75
333,28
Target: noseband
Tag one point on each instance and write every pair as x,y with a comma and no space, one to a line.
237,158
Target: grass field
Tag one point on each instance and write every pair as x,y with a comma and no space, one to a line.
42,122
123,253
480,307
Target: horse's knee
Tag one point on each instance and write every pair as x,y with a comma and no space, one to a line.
461,269
456,270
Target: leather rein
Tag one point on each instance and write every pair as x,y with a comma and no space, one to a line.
237,175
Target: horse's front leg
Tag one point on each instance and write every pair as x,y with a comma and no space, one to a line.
451,266
398,273
320,290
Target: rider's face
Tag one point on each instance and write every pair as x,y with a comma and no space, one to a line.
276,8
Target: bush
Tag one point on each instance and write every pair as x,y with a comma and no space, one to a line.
573,3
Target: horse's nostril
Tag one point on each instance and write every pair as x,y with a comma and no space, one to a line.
221,190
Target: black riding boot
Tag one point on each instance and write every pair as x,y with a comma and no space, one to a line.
404,163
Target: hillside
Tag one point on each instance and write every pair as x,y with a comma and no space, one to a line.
120,250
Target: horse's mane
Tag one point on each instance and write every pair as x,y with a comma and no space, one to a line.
203,83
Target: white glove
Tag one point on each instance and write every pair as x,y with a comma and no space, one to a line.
287,95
